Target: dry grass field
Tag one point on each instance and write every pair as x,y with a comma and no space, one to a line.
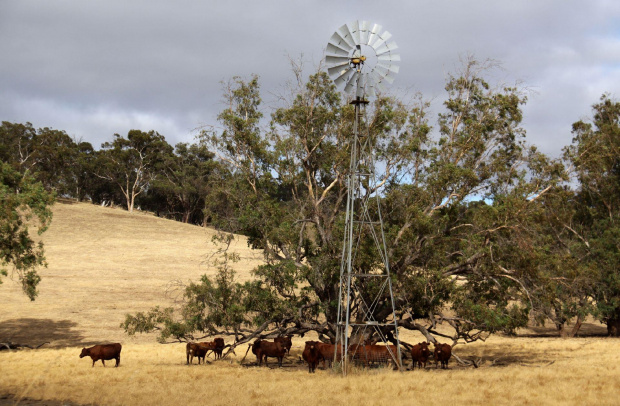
106,262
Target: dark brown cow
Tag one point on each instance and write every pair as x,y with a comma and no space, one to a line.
264,349
311,355
198,350
286,342
255,349
420,354
374,353
442,354
219,347
103,352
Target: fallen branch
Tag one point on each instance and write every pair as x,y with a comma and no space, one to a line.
246,353
16,346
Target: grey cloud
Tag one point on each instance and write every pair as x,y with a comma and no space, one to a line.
96,68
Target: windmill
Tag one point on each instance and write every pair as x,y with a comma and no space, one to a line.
361,59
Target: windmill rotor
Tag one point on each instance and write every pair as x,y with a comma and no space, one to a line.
361,58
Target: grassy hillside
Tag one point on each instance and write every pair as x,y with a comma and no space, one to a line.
106,262
103,263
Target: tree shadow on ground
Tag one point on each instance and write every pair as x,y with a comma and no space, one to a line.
33,332
586,330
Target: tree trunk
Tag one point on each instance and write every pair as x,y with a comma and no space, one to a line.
613,327
561,329
576,327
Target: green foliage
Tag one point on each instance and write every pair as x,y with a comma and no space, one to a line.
595,221
447,247
132,163
23,203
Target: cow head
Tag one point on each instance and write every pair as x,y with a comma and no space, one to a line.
311,344
85,353
424,350
219,342
285,341
256,346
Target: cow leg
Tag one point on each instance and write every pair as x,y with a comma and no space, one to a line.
103,362
94,362
118,361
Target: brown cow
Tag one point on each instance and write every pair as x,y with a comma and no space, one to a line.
311,355
103,352
256,348
219,347
286,342
198,350
327,352
264,349
420,354
442,354
374,353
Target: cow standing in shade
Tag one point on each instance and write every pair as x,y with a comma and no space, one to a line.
375,353
264,349
312,355
442,354
219,347
327,352
420,354
198,350
103,352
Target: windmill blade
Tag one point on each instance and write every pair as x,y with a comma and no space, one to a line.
389,78
346,35
344,76
381,38
335,49
337,71
370,90
385,73
338,40
365,32
386,47
392,68
352,82
334,60
389,57
375,77
355,30
373,34
380,87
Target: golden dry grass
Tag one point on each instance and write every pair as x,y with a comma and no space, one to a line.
526,371
106,262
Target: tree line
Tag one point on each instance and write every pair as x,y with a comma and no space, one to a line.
485,232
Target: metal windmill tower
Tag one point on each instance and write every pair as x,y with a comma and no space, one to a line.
361,59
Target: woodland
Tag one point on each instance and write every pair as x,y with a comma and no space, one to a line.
485,233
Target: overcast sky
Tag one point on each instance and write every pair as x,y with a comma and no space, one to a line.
95,68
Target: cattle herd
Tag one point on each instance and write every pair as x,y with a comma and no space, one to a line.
314,352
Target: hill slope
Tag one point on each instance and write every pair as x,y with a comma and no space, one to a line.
102,264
